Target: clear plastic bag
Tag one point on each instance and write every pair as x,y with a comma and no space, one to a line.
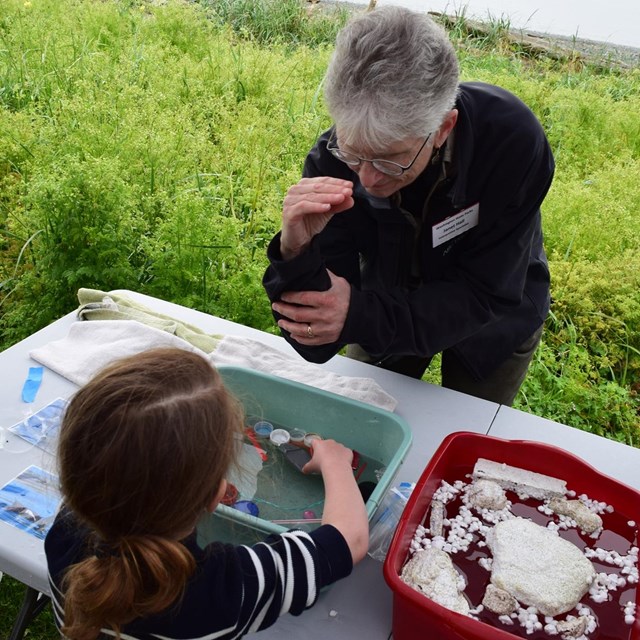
386,519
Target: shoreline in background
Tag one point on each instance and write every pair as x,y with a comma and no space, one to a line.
596,51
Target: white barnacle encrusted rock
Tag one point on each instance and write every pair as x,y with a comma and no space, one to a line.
522,481
487,494
572,627
586,519
538,567
431,572
499,601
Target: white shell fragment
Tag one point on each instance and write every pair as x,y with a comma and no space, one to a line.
431,571
573,628
538,567
523,482
587,520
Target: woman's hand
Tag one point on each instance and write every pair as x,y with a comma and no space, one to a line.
315,317
308,207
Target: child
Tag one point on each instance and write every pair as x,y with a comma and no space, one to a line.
143,452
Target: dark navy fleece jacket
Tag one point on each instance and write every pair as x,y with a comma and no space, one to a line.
483,292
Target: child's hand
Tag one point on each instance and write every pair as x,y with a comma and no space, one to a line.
344,507
325,454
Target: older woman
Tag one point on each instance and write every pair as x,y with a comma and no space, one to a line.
416,227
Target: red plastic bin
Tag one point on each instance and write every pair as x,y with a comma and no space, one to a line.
417,617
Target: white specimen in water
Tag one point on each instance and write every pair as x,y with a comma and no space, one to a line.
584,518
523,482
538,567
487,494
499,601
431,571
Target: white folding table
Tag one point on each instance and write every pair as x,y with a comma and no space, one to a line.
357,606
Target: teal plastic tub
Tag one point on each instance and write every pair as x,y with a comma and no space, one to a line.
380,437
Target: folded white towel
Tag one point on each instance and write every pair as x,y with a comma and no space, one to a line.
251,354
90,346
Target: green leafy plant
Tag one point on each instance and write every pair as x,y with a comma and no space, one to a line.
149,146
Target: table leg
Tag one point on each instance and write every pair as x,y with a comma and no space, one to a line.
32,604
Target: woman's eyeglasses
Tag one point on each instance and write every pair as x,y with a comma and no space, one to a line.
387,167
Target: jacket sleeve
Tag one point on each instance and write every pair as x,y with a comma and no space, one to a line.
285,573
335,248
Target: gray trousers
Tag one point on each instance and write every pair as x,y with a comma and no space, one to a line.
501,386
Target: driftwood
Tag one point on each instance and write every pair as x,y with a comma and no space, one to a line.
566,50
537,44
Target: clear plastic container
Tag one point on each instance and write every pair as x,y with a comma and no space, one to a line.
384,523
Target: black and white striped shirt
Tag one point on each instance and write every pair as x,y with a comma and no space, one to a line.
235,590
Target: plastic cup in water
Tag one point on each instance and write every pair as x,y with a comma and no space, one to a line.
246,506
309,438
280,436
263,429
297,436
230,496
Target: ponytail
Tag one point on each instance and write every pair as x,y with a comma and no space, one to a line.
144,448
140,576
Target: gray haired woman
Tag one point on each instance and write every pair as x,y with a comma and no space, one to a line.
416,227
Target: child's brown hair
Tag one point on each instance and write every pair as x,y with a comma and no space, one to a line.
144,448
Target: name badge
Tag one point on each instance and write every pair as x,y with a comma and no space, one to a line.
455,225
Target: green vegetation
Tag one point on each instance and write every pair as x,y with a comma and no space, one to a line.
145,148
148,146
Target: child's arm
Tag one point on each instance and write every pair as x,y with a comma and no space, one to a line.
343,505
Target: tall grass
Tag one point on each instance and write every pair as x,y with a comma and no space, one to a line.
288,22
149,146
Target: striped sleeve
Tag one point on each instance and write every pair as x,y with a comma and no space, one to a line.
285,573
235,590
57,604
